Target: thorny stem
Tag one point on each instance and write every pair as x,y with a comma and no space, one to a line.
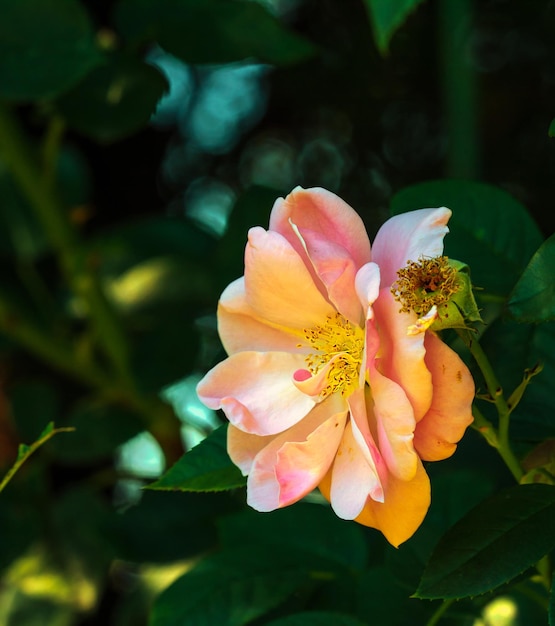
498,439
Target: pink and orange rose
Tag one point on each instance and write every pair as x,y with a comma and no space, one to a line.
330,381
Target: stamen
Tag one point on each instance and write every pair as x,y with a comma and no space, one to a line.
337,337
424,284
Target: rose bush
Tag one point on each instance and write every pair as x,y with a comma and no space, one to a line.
334,377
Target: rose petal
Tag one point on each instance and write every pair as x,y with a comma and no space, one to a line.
367,284
293,464
256,391
444,424
402,355
393,414
320,211
335,268
405,505
243,447
366,442
240,329
408,237
351,478
278,285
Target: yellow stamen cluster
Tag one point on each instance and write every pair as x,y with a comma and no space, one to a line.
337,336
425,283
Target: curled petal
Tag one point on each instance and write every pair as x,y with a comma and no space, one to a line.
278,285
294,463
402,355
314,384
394,416
256,391
408,237
366,443
444,424
240,329
336,269
320,212
367,284
352,478
243,447
405,505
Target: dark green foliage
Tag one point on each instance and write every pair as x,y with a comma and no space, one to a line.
139,142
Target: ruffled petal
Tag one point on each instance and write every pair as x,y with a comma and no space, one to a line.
240,329
367,284
321,212
293,464
350,478
402,355
393,414
405,505
278,285
443,426
360,423
408,237
243,447
256,392
336,269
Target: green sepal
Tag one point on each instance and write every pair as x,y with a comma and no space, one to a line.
461,309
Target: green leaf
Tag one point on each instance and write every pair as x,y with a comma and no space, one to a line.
490,231
211,31
316,618
496,541
229,589
533,297
207,467
386,17
551,131
306,529
114,100
188,520
46,46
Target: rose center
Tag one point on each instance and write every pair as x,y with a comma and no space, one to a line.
341,341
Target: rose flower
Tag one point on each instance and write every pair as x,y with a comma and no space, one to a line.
334,377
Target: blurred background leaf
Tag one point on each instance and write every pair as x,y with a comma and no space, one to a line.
46,46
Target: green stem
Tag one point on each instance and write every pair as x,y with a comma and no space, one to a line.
438,614
26,451
500,439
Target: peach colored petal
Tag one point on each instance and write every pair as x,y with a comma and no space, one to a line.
278,285
405,505
240,329
243,447
408,237
314,384
322,212
293,464
256,392
402,355
367,284
352,478
335,268
365,440
443,426
393,414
